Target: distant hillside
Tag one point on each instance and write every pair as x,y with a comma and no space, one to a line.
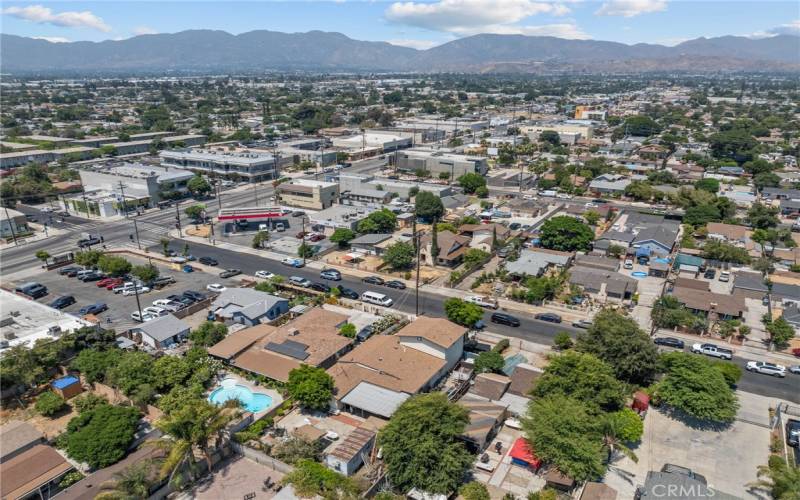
258,51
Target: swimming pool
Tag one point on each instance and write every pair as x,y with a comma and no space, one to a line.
229,389
662,260
638,274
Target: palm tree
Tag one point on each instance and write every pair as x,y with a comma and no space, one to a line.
612,443
197,425
132,483
780,478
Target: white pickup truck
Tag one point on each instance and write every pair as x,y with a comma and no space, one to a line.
482,301
712,350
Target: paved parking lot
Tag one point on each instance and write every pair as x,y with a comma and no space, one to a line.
285,242
119,306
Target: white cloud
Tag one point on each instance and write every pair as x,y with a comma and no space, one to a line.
631,8
144,30
414,44
792,28
565,30
53,39
465,17
69,19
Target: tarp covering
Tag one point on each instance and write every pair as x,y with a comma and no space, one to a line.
522,454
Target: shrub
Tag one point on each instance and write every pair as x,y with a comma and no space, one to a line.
501,346
348,330
562,341
49,403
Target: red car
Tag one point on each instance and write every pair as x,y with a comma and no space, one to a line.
114,283
105,282
796,351
316,237
300,235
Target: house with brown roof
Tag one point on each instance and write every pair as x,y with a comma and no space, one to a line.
18,437
32,473
452,248
378,375
273,351
483,235
714,306
730,233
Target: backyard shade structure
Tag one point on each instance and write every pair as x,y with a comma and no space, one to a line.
558,480
522,454
352,256
67,387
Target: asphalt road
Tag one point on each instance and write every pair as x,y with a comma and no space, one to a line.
433,305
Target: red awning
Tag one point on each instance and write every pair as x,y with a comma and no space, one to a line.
522,451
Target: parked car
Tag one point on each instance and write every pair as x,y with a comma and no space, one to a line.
482,301
265,275
514,226
377,299
196,296
143,317
320,287
209,261
162,281
347,293
216,287
70,271
280,227
105,282
62,302
505,319
115,282
123,286
178,259
396,284
710,274
795,369
669,342
628,264
93,276
584,324
134,290
549,317
373,280
766,368
301,235
187,268
93,309
300,281
793,433
292,262
724,276
155,311
169,305
712,350
230,273
330,274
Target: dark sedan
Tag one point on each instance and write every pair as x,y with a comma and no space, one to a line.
348,293
373,280
196,296
70,271
549,317
62,302
399,285
209,261
320,287
92,277
669,342
93,309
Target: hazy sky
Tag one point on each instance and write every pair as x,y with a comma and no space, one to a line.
419,24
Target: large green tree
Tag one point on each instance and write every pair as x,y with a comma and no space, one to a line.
208,333
197,185
471,182
428,206
618,340
462,312
382,221
312,387
691,384
583,377
564,432
114,265
567,234
342,236
100,436
422,444
399,255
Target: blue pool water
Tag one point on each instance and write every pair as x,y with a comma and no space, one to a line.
662,260
638,274
252,402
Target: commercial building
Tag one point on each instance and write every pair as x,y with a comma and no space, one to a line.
307,193
139,185
25,321
372,142
437,162
244,164
569,128
369,189
13,223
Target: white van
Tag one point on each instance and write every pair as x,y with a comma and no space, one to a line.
376,298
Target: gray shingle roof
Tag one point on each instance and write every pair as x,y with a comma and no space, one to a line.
164,328
370,239
533,262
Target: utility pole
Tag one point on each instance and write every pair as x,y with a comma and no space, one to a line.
136,293
255,193
178,218
136,229
122,193
219,196
303,241
85,203
11,226
416,251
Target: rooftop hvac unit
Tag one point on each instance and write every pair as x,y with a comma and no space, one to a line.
293,332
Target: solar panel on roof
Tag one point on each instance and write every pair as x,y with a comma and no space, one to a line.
289,348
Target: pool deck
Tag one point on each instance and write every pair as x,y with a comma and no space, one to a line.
277,399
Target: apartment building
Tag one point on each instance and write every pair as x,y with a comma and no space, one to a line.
307,193
437,162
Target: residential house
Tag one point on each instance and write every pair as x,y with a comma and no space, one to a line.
32,473
729,233
792,316
750,285
731,171
162,332
380,374
485,419
597,262
18,437
13,223
274,351
603,285
653,152
452,248
534,262
368,243
247,306
712,305
790,207
772,193
609,184
349,454
483,235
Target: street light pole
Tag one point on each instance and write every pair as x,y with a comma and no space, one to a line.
303,241
11,226
178,218
136,229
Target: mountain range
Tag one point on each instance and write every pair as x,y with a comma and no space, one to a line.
202,51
